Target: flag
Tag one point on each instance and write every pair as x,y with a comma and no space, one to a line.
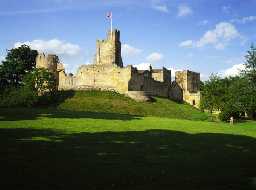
109,15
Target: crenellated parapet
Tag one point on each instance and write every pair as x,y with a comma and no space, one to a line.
109,51
49,62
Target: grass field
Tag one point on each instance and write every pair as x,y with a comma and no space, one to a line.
53,148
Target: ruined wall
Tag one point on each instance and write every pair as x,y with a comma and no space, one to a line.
176,92
190,84
167,74
49,62
192,98
156,88
102,77
157,74
162,75
144,82
66,82
193,81
109,51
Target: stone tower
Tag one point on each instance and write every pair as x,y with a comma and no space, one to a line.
108,52
189,82
49,62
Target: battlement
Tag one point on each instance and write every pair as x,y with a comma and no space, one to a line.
114,35
49,62
108,51
162,75
188,80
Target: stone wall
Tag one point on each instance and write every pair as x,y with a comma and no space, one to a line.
162,75
176,92
144,82
109,51
190,84
158,75
47,61
66,82
102,77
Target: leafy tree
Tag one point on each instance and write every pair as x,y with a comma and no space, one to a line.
235,101
37,86
40,81
18,62
228,95
212,94
250,74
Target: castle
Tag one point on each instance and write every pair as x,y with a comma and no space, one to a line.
108,73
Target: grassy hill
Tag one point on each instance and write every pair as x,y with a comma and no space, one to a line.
110,102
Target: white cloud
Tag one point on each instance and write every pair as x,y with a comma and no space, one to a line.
233,71
187,44
218,37
184,10
154,57
143,66
222,33
53,46
203,22
244,20
160,6
128,50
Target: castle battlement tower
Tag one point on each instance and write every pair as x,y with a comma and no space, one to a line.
49,62
189,82
108,52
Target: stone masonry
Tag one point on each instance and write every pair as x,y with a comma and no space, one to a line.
108,73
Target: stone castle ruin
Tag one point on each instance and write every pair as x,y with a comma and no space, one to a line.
108,73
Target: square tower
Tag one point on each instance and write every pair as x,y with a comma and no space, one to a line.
189,82
108,52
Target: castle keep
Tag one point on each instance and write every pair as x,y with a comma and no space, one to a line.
108,73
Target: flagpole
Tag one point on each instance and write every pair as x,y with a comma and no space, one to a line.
111,23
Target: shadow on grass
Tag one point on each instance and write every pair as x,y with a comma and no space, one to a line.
9,114
153,159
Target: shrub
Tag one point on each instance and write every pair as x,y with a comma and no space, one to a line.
14,97
228,112
38,87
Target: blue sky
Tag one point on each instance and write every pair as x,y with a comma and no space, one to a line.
200,35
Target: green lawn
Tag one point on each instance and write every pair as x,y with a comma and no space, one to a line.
83,149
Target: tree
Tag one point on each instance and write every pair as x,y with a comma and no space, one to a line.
235,100
37,87
212,94
18,62
250,74
40,81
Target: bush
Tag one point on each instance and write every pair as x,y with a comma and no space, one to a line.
14,97
38,87
229,112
